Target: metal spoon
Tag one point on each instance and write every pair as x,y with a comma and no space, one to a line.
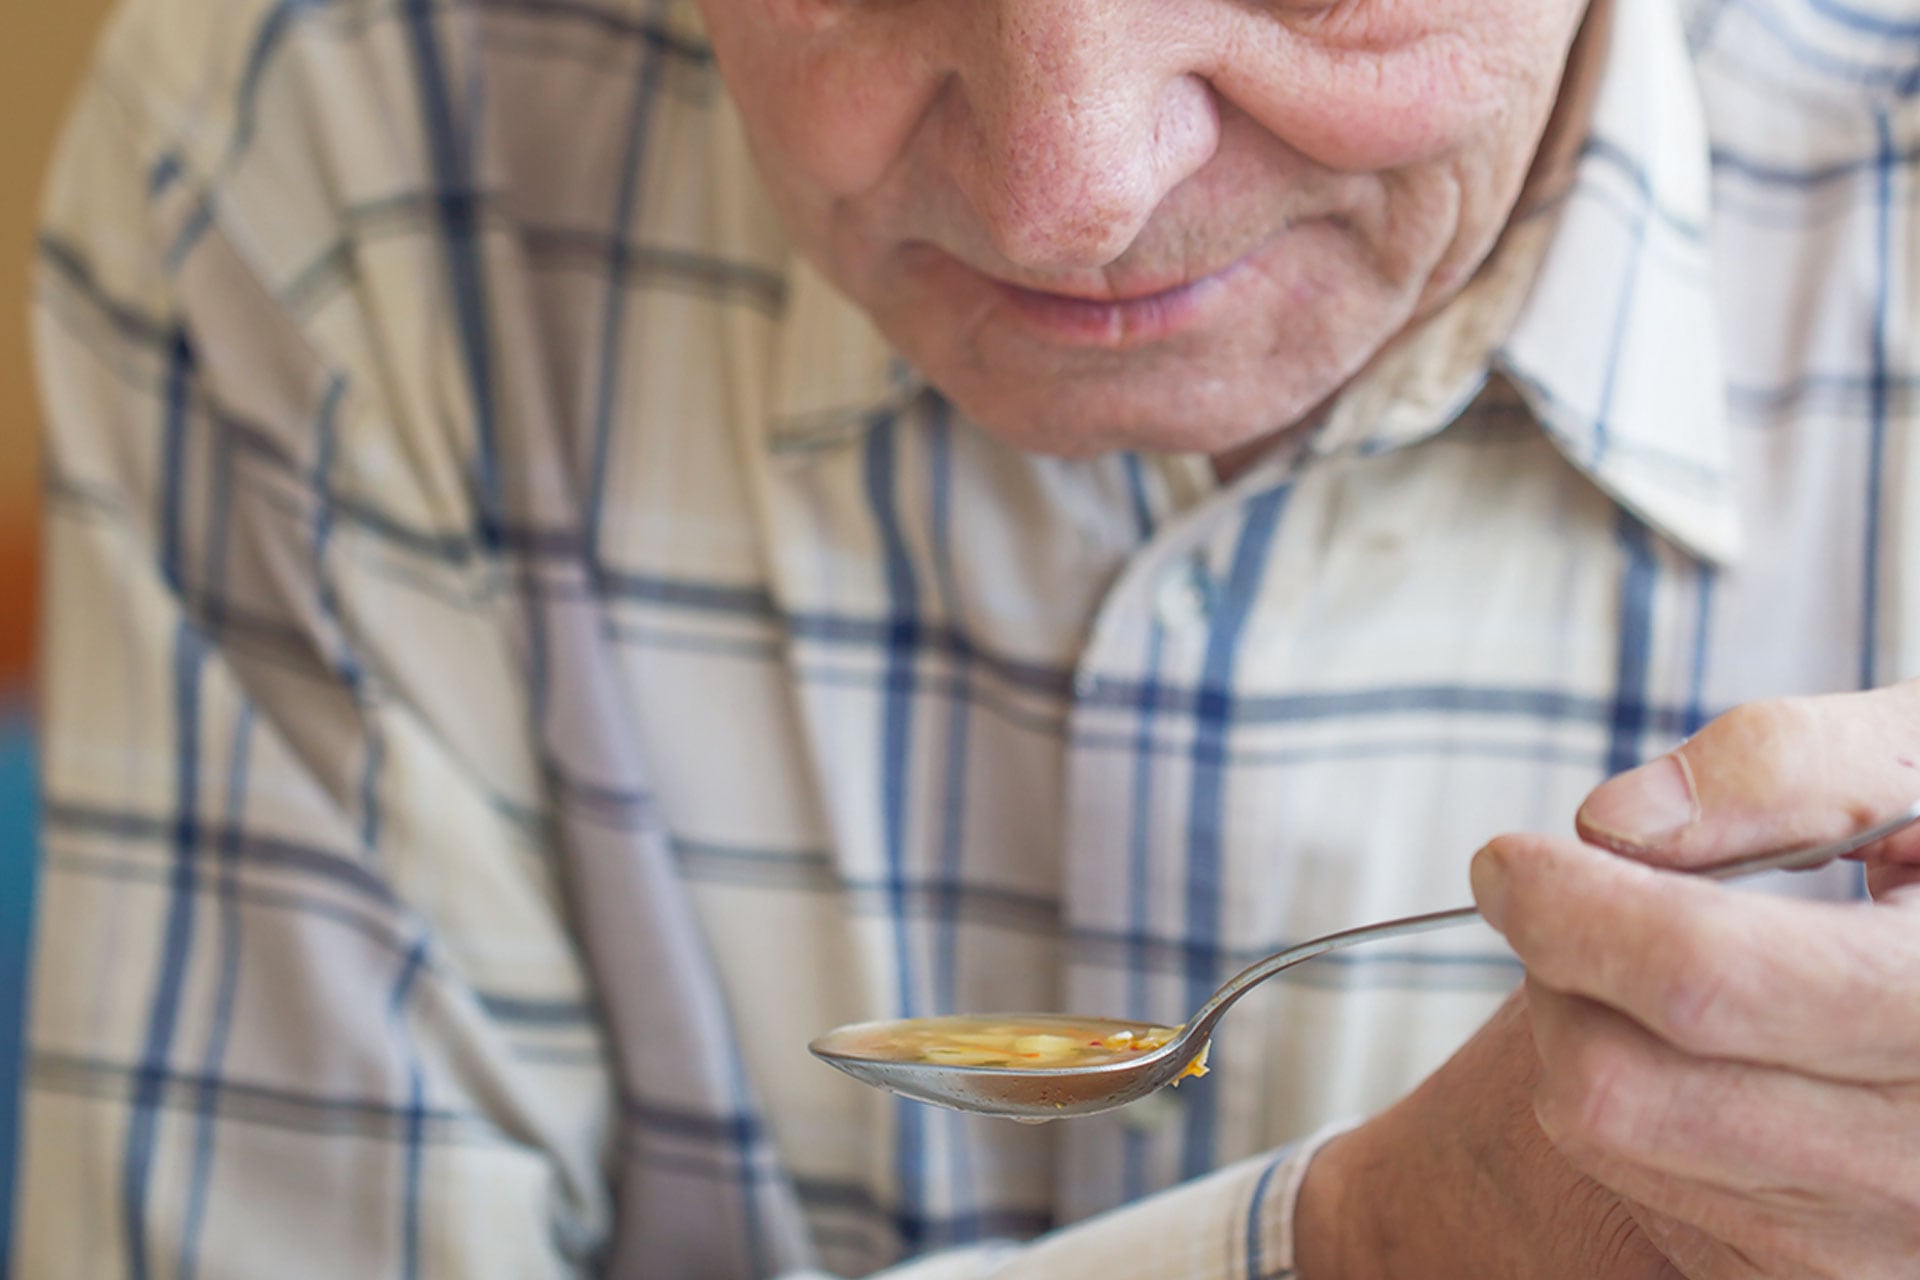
1048,1093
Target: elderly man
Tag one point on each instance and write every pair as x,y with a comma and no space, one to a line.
591,542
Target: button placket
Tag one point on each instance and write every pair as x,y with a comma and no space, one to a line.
1183,600
1167,591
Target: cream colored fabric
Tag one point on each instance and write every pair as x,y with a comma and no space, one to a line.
523,656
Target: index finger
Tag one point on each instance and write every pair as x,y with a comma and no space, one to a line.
1828,989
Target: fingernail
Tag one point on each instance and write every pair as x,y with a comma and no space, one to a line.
1489,875
1643,806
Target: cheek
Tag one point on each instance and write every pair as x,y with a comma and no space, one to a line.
829,103
1378,85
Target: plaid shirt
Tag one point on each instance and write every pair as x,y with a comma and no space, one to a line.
523,656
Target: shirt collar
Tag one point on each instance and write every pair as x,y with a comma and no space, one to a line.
833,373
1616,348
1628,386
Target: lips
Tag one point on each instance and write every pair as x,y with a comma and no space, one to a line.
1140,287
1122,308
1115,319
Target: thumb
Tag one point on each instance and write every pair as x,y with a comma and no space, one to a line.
1769,776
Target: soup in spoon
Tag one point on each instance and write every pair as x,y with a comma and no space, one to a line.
1024,1043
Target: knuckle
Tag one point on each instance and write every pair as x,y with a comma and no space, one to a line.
1531,916
1590,1101
1695,989
1769,735
1529,935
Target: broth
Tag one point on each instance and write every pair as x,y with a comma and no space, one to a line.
1026,1042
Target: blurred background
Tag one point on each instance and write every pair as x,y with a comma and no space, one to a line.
40,62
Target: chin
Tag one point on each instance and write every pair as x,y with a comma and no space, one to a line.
1192,416
1213,392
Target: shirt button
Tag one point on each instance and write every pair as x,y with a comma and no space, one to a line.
1180,602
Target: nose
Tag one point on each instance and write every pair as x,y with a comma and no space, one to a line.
1071,120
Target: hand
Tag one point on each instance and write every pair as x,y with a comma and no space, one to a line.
1457,1182
1743,1069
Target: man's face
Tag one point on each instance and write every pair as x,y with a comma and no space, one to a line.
1157,224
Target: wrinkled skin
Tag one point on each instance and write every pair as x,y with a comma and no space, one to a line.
1744,1069
1182,225
1294,179
1698,1080
1458,1182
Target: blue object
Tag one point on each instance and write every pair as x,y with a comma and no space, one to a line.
17,822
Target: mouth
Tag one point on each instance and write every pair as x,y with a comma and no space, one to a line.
1116,319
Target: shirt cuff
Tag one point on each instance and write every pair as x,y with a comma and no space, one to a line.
975,1262
1233,1224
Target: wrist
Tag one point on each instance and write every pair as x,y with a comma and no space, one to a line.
1457,1182
1333,1238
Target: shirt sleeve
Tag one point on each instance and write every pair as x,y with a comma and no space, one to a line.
308,998
305,1002
1233,1224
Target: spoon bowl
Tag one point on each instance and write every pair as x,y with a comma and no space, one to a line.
1019,1093
1051,1092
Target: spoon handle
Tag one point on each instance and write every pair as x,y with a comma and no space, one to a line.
1260,970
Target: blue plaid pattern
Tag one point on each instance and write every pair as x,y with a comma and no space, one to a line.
523,655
